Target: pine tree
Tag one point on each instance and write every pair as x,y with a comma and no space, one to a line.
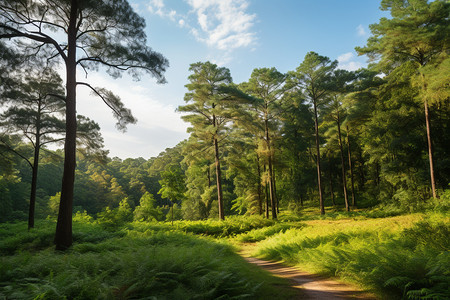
97,33
312,77
418,33
209,111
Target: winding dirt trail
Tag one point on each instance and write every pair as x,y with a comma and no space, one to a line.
309,286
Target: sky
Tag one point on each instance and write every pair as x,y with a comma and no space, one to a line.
241,35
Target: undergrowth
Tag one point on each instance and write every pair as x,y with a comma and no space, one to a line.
131,263
403,257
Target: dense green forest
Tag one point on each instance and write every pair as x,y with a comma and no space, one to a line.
264,157
279,141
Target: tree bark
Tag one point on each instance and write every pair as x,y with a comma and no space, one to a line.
277,201
430,149
319,180
63,235
271,186
350,165
260,212
267,195
219,180
35,167
331,183
208,173
344,179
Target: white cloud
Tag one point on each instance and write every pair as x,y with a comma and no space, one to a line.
348,61
345,57
360,30
351,66
157,7
158,3
224,25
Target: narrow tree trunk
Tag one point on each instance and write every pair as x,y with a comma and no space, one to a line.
35,167
63,235
319,179
331,182
430,149
350,165
260,212
219,180
277,202
208,173
377,173
344,179
267,195
271,187
34,175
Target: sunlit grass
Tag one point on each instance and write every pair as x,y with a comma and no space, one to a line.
137,261
401,256
396,256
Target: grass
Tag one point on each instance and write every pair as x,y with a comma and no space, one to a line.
131,263
398,257
405,256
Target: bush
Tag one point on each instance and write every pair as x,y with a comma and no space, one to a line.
147,209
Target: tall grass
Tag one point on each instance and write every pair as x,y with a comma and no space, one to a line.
128,264
230,227
400,257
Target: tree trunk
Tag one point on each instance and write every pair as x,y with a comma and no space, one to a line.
331,183
277,202
344,179
63,235
319,180
219,180
430,150
37,147
271,186
267,195
350,165
260,212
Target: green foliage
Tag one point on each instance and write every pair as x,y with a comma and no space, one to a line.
147,209
116,217
231,226
177,213
395,256
103,265
53,204
257,235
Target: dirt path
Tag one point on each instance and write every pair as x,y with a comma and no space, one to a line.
309,286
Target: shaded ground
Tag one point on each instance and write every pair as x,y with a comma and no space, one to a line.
309,286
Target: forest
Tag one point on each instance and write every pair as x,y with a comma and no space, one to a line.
342,173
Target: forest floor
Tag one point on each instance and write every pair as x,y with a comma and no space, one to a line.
307,285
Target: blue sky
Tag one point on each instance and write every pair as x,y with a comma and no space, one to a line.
238,34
